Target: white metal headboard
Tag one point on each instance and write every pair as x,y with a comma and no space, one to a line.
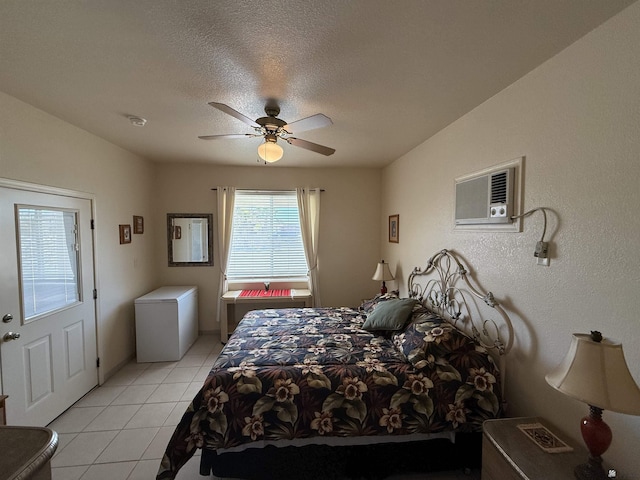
444,288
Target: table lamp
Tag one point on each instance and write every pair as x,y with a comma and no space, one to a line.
595,372
383,273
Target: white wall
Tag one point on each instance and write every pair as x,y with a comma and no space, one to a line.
576,119
38,148
349,213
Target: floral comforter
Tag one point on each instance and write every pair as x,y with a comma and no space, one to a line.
291,374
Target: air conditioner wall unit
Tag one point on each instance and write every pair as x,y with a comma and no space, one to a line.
486,198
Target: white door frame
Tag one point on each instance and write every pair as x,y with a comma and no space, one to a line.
35,187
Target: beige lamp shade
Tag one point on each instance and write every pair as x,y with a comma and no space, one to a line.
270,152
382,272
596,373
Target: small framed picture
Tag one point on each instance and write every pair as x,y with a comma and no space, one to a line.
394,228
125,234
138,224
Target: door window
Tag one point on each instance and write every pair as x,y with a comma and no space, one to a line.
48,246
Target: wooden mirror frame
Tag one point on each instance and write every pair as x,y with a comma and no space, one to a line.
170,236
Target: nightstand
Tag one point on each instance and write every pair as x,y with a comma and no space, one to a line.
507,453
3,411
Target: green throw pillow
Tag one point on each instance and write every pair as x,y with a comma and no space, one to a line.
390,315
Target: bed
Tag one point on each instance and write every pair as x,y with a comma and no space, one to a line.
316,388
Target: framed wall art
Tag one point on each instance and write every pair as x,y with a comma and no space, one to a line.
394,228
138,224
125,234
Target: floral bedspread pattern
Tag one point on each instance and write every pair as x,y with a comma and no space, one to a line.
301,373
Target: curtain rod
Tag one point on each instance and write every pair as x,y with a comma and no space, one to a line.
266,190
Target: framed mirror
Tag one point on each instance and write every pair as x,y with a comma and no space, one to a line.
190,239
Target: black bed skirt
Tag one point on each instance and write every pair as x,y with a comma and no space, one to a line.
356,462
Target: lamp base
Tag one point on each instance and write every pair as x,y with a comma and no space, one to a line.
597,436
592,470
383,289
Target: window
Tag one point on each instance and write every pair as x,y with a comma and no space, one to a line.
266,241
48,260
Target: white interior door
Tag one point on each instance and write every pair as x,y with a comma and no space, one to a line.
48,325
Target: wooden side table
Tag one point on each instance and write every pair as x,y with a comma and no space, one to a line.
297,298
3,410
508,454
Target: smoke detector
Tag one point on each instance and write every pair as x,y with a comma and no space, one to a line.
137,121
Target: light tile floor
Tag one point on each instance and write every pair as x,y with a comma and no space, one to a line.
119,431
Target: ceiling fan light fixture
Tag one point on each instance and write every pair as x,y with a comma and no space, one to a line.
270,151
272,127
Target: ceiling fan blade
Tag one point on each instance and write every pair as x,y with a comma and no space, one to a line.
309,123
231,135
314,147
234,113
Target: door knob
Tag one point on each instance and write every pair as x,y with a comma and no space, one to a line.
11,336
7,318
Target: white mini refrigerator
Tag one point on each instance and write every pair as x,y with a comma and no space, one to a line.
166,323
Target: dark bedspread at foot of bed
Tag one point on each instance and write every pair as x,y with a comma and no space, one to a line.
356,462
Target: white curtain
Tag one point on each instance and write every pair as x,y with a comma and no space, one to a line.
226,200
309,208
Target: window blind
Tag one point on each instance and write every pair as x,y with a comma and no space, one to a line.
266,241
48,259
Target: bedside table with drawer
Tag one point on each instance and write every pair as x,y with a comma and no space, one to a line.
508,454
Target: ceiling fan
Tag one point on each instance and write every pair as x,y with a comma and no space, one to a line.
271,128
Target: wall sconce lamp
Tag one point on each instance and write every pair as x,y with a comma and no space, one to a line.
542,248
382,274
595,372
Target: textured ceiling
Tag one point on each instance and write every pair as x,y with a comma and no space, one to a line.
390,74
